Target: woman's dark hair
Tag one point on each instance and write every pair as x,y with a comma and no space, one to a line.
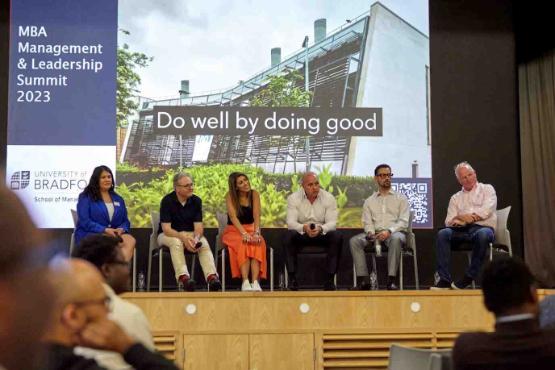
93,188
233,192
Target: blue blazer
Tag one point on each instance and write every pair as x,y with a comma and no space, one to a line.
93,216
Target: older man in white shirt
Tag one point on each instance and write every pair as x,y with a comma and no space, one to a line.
471,217
385,218
311,220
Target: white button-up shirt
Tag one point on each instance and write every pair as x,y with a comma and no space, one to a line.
385,212
481,200
322,212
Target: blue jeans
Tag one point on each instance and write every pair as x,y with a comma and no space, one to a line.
479,236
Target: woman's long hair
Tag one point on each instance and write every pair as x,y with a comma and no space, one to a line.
93,188
234,192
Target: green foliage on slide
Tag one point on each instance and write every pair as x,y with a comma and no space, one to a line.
211,185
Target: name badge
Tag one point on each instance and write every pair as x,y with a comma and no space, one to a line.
116,204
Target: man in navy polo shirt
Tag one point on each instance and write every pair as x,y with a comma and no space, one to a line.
181,228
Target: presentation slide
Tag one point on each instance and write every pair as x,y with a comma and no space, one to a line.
271,89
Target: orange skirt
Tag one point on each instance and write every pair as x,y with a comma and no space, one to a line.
240,252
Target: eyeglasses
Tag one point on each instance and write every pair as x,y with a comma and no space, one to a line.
106,302
186,186
384,175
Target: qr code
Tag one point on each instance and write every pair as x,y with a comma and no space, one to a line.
417,194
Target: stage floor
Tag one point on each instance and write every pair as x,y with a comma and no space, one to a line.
306,329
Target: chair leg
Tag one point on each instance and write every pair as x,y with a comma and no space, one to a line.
286,277
193,265
375,269
271,270
490,252
134,272
415,270
160,270
355,275
469,256
401,272
223,269
149,271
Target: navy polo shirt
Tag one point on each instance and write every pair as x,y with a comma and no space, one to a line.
181,217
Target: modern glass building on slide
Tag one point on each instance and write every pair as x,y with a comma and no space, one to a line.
375,60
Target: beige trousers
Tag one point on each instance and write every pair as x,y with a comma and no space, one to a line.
178,255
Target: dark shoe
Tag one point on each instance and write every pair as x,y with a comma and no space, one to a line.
365,285
329,285
441,285
392,286
293,285
463,283
214,283
185,283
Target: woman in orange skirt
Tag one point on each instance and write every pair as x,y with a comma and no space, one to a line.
247,248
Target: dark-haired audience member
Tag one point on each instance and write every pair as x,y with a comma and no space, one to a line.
311,220
81,319
385,217
471,218
105,254
26,296
518,342
247,248
102,211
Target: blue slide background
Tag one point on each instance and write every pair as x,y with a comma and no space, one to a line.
84,112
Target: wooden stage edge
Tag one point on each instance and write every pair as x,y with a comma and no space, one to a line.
306,329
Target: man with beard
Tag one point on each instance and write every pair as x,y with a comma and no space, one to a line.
385,218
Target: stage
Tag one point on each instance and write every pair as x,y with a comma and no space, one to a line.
306,329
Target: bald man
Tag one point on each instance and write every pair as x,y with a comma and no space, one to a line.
81,318
311,220
25,295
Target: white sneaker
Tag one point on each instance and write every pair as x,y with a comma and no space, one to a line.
246,287
256,286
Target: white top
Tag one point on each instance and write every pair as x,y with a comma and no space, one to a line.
110,207
385,212
322,212
133,321
513,318
481,200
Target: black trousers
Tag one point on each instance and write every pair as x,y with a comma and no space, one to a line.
293,242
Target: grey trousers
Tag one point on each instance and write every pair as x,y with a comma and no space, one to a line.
394,245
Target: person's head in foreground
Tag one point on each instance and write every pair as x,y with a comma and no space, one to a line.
104,252
81,301
25,295
509,288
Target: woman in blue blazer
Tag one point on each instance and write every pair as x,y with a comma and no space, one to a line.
101,211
